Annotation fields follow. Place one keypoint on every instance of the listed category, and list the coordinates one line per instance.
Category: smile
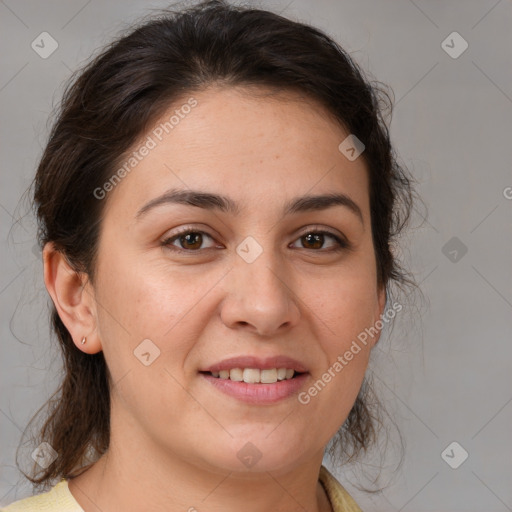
(255, 375)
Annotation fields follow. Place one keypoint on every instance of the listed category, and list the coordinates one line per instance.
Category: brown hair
(111, 102)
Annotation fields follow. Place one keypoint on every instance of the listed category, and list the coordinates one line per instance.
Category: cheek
(347, 316)
(145, 301)
(344, 314)
(148, 310)
(344, 310)
(344, 302)
(140, 298)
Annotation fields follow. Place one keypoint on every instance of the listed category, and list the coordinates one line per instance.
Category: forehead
(248, 143)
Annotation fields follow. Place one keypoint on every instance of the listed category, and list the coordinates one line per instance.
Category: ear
(379, 310)
(73, 297)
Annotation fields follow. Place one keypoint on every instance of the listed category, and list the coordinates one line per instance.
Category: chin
(259, 453)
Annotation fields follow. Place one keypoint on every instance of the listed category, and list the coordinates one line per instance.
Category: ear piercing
(84, 339)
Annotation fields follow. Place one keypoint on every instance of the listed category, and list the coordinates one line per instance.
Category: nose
(260, 297)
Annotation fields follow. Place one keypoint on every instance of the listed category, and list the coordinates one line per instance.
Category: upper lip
(257, 362)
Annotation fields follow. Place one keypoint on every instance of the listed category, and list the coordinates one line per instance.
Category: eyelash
(342, 244)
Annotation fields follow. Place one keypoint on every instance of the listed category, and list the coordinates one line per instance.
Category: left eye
(317, 238)
(191, 241)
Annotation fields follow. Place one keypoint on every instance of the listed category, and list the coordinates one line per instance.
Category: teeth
(236, 374)
(251, 375)
(255, 375)
(268, 376)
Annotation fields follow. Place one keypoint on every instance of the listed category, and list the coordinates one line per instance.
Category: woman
(217, 203)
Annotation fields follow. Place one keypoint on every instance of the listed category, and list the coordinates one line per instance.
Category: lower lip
(261, 394)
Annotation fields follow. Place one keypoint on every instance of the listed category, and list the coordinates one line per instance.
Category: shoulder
(340, 499)
(57, 499)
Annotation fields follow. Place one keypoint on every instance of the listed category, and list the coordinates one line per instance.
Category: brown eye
(315, 240)
(189, 240)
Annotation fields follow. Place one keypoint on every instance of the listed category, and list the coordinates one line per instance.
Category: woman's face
(246, 282)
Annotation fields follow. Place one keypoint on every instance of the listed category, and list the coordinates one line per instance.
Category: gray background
(444, 373)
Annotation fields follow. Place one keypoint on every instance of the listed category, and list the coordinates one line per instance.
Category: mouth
(257, 380)
(255, 375)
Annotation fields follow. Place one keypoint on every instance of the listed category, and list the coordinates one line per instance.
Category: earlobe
(73, 297)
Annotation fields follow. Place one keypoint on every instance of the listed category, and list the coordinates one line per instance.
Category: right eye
(190, 240)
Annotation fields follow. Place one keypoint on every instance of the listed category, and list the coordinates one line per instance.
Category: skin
(174, 437)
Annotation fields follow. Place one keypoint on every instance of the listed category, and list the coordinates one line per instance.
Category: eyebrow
(210, 201)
